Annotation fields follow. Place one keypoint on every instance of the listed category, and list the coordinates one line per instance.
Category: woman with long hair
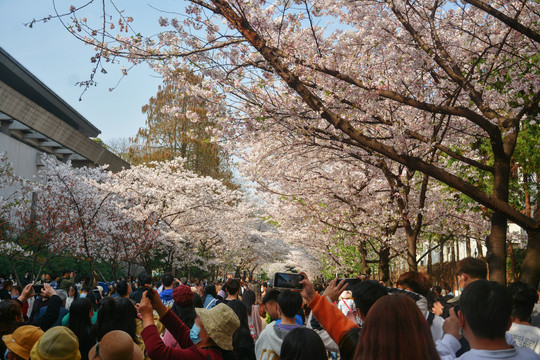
(10, 319)
(254, 319)
(395, 329)
(81, 311)
(243, 343)
(116, 314)
(210, 297)
(73, 294)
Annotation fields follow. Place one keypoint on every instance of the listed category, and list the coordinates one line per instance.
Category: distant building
(34, 120)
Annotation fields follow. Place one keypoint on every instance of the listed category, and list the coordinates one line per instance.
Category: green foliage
(263, 275)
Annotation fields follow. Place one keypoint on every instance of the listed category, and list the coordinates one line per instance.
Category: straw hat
(58, 343)
(220, 322)
(116, 345)
(22, 340)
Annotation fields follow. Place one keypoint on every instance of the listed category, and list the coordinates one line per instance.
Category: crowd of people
(167, 318)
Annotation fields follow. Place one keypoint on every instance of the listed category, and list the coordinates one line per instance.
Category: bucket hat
(220, 322)
(22, 340)
(58, 343)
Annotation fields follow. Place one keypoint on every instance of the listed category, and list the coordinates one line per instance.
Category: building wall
(24, 158)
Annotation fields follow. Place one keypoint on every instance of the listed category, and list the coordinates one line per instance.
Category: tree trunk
(411, 251)
(441, 252)
(513, 267)
(384, 265)
(364, 267)
(496, 245)
(468, 247)
(429, 261)
(480, 249)
(530, 269)
(453, 253)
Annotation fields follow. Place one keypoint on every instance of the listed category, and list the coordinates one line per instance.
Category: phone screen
(288, 281)
(37, 289)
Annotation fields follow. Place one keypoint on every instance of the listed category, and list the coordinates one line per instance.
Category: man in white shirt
(484, 317)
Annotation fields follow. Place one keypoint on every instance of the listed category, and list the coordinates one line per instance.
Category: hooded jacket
(167, 297)
(268, 346)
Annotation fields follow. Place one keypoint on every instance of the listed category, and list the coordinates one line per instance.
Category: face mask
(6, 354)
(83, 295)
(194, 334)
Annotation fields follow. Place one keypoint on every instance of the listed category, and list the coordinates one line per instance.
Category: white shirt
(526, 336)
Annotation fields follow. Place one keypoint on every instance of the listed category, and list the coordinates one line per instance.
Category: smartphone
(288, 281)
(37, 289)
(350, 282)
(150, 292)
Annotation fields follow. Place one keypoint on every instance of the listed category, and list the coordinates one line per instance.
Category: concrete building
(34, 120)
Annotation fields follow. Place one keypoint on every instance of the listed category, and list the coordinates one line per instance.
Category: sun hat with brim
(220, 322)
(116, 345)
(58, 343)
(22, 340)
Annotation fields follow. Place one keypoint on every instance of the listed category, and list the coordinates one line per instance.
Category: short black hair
(271, 295)
(487, 305)
(122, 288)
(473, 267)
(302, 343)
(366, 293)
(167, 280)
(524, 296)
(290, 303)
(437, 289)
(145, 280)
(232, 286)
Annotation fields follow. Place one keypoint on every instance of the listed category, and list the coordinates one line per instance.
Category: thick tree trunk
(530, 269)
(429, 262)
(411, 251)
(468, 247)
(441, 252)
(496, 245)
(384, 265)
(364, 267)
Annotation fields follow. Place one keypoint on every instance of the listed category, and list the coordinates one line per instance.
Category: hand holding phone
(288, 281)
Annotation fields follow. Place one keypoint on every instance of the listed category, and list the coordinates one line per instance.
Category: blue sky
(59, 60)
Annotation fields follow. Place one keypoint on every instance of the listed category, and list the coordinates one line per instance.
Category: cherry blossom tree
(397, 78)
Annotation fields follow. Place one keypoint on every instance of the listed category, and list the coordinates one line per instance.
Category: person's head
(415, 282)
(183, 305)
(116, 345)
(216, 326)
(20, 342)
(486, 307)
(73, 292)
(123, 288)
(437, 290)
(348, 343)
(524, 297)
(167, 280)
(303, 344)
(66, 273)
(145, 280)
(290, 303)
(232, 286)
(366, 293)
(80, 314)
(241, 311)
(10, 313)
(270, 303)
(395, 325)
(7, 285)
(116, 314)
(249, 300)
(210, 289)
(58, 342)
(470, 269)
(16, 291)
(62, 294)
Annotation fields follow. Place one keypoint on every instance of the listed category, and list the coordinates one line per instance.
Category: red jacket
(157, 350)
